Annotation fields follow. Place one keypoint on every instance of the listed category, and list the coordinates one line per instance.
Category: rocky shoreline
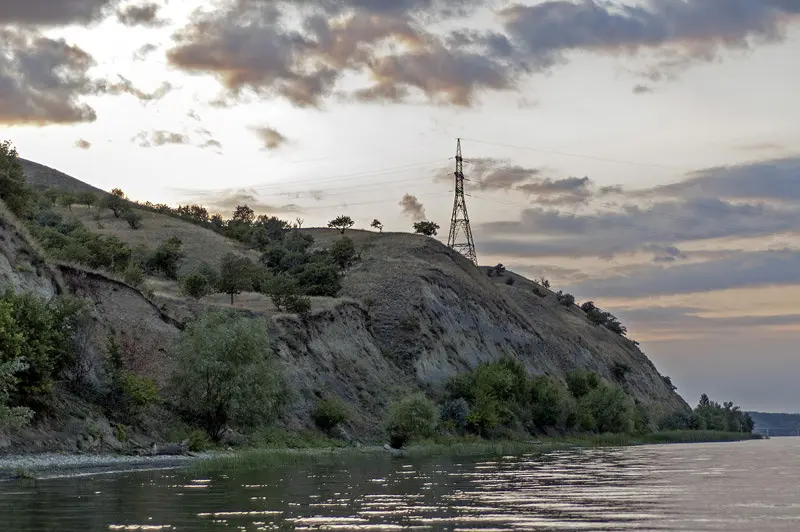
(53, 465)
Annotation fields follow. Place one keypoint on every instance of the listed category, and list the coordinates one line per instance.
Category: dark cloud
(83, 144)
(53, 12)
(155, 138)
(247, 46)
(271, 138)
(775, 180)
(745, 269)
(42, 80)
(494, 174)
(642, 89)
(412, 208)
(145, 14)
(687, 30)
(632, 228)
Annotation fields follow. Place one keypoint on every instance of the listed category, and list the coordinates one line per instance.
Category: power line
(582, 156)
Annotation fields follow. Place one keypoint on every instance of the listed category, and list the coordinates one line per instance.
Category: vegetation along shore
(150, 332)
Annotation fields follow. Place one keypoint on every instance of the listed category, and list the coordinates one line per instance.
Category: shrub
(619, 370)
(329, 413)
(455, 412)
(565, 299)
(610, 409)
(11, 417)
(551, 404)
(13, 190)
(297, 305)
(580, 382)
(343, 252)
(426, 228)
(133, 274)
(225, 373)
(509, 281)
(201, 282)
(410, 418)
(133, 217)
(320, 279)
(166, 257)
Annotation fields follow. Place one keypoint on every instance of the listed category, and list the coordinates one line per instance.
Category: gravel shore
(43, 466)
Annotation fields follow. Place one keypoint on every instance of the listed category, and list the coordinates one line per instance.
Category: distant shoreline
(52, 465)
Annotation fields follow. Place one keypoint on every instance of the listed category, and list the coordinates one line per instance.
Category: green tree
(320, 279)
(11, 416)
(610, 408)
(166, 257)
(551, 403)
(376, 224)
(235, 275)
(67, 199)
(343, 252)
(426, 228)
(329, 413)
(118, 193)
(13, 190)
(134, 218)
(226, 374)
(243, 215)
(412, 417)
(115, 203)
(201, 282)
(341, 223)
(87, 198)
(52, 195)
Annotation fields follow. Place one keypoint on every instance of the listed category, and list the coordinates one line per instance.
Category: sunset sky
(642, 154)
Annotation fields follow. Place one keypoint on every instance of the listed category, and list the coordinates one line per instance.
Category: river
(692, 487)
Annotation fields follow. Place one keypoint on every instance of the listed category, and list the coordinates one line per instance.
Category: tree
(11, 417)
(235, 275)
(200, 282)
(243, 215)
(13, 190)
(341, 223)
(225, 373)
(87, 198)
(376, 224)
(412, 417)
(117, 192)
(52, 194)
(114, 203)
(343, 252)
(426, 228)
(133, 217)
(166, 257)
(67, 199)
(329, 413)
(299, 221)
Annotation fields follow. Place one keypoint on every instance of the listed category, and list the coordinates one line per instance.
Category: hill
(411, 314)
(39, 175)
(776, 424)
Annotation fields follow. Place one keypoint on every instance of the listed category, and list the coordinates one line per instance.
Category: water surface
(696, 487)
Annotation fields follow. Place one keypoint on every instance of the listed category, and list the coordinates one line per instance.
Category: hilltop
(410, 315)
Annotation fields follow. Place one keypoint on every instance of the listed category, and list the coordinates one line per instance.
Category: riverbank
(46, 466)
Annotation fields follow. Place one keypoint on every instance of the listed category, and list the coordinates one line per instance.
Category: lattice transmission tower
(459, 222)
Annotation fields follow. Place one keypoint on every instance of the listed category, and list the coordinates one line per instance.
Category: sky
(640, 154)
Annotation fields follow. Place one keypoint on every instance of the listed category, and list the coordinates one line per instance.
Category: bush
(455, 412)
(580, 382)
(565, 299)
(412, 417)
(329, 413)
(297, 305)
(133, 217)
(200, 282)
(320, 279)
(13, 190)
(225, 373)
(609, 408)
(509, 281)
(11, 417)
(619, 370)
(133, 274)
(551, 404)
(166, 257)
(343, 252)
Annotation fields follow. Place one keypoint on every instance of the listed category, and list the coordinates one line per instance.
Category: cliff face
(412, 314)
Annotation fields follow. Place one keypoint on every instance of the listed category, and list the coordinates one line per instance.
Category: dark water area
(749, 486)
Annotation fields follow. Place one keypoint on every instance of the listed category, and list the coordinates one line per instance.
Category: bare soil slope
(39, 175)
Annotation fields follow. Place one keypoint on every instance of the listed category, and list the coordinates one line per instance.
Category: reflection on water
(711, 487)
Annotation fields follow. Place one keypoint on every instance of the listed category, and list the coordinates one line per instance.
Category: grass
(313, 450)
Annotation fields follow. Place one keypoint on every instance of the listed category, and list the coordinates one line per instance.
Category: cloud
(775, 180)
(155, 138)
(145, 14)
(682, 31)
(228, 200)
(642, 89)
(492, 174)
(53, 12)
(125, 86)
(412, 208)
(632, 228)
(248, 45)
(272, 138)
(571, 190)
(143, 51)
(745, 269)
(83, 144)
(42, 80)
